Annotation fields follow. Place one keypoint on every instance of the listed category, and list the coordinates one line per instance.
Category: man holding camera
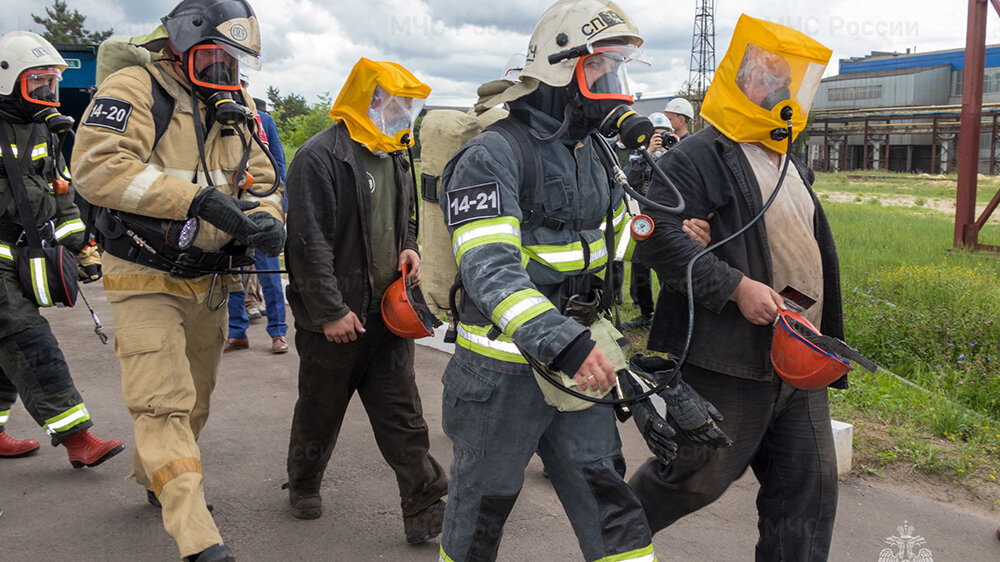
(680, 113)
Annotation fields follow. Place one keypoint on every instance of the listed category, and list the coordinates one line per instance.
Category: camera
(668, 139)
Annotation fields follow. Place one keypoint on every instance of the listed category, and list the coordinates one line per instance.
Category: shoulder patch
(110, 113)
(474, 202)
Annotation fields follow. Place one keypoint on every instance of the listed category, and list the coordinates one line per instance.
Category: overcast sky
(454, 45)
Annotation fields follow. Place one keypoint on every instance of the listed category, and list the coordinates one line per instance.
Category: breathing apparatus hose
(547, 373)
(607, 158)
(270, 158)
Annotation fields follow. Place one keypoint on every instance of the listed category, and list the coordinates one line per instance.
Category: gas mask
(393, 115)
(379, 104)
(214, 73)
(602, 90)
(768, 77)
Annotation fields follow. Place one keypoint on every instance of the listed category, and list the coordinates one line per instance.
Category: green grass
(868, 183)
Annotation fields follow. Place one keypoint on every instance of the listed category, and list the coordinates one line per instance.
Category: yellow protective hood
(767, 67)
(355, 98)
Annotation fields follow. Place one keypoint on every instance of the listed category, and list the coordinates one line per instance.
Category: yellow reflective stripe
(568, 257)
(474, 339)
(68, 227)
(40, 151)
(38, 281)
(5, 252)
(618, 219)
(444, 557)
(503, 230)
(626, 244)
(4, 416)
(67, 420)
(640, 555)
(518, 308)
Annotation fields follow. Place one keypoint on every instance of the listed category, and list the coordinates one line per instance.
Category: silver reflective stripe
(572, 255)
(482, 231)
(4, 416)
(38, 279)
(138, 187)
(623, 241)
(76, 416)
(506, 347)
(69, 227)
(518, 309)
(5, 252)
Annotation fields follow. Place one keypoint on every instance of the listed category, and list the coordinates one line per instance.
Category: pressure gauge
(642, 227)
(188, 233)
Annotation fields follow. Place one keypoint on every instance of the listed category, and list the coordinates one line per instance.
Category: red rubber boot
(12, 448)
(86, 450)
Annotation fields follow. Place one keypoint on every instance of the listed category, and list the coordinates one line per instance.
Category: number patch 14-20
(110, 113)
(475, 202)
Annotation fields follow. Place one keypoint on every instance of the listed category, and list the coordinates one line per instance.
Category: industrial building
(900, 112)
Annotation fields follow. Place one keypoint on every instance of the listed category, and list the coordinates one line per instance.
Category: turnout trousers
(169, 347)
(783, 434)
(379, 367)
(32, 365)
(497, 419)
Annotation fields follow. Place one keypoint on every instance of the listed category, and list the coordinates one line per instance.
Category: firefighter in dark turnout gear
(31, 363)
(518, 268)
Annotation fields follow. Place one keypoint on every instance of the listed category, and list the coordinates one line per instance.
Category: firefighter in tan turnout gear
(163, 148)
(31, 363)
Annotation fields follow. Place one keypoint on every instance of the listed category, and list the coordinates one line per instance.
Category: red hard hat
(405, 311)
(799, 362)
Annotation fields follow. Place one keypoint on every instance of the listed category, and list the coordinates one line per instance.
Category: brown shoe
(278, 344)
(424, 525)
(232, 344)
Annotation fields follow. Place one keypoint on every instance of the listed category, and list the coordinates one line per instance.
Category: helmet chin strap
(567, 118)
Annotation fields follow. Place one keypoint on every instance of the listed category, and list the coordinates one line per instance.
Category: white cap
(680, 106)
(512, 69)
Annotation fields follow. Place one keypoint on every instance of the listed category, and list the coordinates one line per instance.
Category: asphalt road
(53, 512)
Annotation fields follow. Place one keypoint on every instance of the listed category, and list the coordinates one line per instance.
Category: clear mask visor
(41, 86)
(602, 74)
(213, 67)
(767, 78)
(394, 116)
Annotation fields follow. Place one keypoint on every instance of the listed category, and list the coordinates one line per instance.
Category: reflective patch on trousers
(46, 361)
(622, 520)
(493, 513)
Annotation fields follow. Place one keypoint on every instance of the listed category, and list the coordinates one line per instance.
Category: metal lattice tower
(702, 50)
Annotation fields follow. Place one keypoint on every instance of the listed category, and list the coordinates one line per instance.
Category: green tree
(286, 108)
(65, 27)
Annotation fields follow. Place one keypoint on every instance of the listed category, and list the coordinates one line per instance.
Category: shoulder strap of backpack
(530, 178)
(163, 108)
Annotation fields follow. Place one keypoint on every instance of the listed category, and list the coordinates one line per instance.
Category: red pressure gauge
(642, 227)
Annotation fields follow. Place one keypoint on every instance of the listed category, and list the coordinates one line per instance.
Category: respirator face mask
(214, 72)
(394, 116)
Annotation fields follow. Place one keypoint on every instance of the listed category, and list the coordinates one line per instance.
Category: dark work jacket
(329, 249)
(714, 176)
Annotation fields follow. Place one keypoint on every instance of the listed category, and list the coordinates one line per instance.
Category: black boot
(640, 322)
(424, 525)
(215, 553)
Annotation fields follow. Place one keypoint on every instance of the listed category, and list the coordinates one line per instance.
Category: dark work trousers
(32, 365)
(379, 367)
(641, 288)
(780, 432)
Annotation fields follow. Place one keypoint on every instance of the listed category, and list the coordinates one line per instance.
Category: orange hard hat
(799, 362)
(405, 311)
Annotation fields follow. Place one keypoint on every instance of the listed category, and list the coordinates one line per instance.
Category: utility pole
(702, 50)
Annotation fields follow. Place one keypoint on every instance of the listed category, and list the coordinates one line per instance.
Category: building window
(855, 93)
(957, 90)
(991, 81)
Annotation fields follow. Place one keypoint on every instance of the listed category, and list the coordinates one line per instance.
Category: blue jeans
(274, 300)
(496, 417)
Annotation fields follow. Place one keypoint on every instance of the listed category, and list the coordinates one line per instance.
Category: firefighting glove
(271, 238)
(654, 429)
(88, 263)
(691, 413)
(225, 213)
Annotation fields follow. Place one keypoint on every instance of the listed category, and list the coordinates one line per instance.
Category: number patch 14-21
(110, 113)
(470, 203)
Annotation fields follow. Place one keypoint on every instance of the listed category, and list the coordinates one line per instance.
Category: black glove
(691, 413)
(225, 213)
(654, 429)
(271, 238)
